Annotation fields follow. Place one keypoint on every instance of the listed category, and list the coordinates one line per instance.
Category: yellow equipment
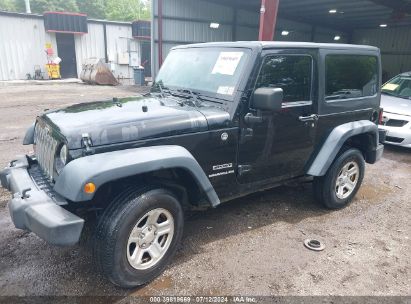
(53, 70)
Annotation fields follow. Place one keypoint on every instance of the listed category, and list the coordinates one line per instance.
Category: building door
(146, 57)
(67, 53)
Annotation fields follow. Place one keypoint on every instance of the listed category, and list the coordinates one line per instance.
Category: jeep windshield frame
(214, 72)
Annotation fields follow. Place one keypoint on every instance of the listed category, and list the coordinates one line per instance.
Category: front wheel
(138, 235)
(343, 179)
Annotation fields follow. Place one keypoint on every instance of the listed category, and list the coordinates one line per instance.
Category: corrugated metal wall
(188, 21)
(395, 45)
(23, 40)
(22, 45)
(118, 39)
(89, 45)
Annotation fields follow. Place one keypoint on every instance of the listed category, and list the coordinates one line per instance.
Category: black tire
(114, 228)
(324, 187)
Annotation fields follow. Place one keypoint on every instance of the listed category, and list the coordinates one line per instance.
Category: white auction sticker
(227, 63)
(225, 90)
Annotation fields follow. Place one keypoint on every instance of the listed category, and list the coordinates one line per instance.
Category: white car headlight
(61, 158)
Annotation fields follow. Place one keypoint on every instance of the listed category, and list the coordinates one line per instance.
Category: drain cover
(314, 245)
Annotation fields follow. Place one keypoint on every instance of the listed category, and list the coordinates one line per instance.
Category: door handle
(312, 117)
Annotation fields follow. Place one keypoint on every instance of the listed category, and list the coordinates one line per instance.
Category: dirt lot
(251, 246)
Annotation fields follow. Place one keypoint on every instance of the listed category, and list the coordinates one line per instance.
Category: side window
(292, 73)
(350, 76)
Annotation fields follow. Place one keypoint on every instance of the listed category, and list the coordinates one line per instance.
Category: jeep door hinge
(87, 144)
(246, 134)
(242, 169)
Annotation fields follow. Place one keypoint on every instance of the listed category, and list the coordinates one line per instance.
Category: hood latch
(87, 143)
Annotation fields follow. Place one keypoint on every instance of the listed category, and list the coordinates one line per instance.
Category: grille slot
(396, 123)
(45, 149)
(393, 139)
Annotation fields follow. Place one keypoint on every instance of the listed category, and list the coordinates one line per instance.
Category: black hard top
(282, 44)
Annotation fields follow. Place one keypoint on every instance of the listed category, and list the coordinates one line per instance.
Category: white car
(396, 102)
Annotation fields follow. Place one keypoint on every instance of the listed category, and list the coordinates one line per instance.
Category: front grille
(45, 149)
(396, 123)
(44, 184)
(393, 139)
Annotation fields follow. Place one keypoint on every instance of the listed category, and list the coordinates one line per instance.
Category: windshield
(399, 86)
(212, 71)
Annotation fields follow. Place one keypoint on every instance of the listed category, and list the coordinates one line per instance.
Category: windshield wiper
(211, 99)
(193, 95)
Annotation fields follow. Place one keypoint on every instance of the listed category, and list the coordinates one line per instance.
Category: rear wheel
(138, 235)
(343, 179)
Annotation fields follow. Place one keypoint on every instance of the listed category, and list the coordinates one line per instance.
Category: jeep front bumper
(37, 209)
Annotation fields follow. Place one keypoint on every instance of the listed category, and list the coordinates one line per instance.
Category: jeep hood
(396, 105)
(131, 119)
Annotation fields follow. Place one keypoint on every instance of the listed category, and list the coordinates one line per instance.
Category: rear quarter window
(350, 76)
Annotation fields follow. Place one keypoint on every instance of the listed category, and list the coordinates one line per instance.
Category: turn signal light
(89, 188)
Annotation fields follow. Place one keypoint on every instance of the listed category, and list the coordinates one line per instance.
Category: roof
(349, 15)
(283, 44)
(37, 16)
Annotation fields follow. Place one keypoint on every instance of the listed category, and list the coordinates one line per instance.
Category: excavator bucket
(95, 71)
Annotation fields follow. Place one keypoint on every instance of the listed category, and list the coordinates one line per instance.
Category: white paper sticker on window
(227, 63)
(225, 90)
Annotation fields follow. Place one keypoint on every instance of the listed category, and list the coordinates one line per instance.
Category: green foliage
(41, 6)
(121, 10)
(8, 5)
(94, 9)
(127, 10)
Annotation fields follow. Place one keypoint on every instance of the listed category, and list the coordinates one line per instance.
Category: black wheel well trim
(105, 167)
(338, 137)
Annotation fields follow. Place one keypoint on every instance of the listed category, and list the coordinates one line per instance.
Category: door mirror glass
(269, 99)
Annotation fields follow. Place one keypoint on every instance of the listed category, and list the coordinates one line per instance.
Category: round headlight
(61, 158)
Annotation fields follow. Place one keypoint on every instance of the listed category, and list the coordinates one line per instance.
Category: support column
(160, 32)
(268, 19)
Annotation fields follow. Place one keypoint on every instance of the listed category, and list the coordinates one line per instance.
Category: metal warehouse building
(72, 37)
(382, 23)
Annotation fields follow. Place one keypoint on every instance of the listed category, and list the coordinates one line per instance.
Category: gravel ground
(251, 246)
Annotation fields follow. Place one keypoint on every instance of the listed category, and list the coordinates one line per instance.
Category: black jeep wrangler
(222, 120)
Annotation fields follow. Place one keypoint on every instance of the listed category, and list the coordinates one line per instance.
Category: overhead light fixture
(285, 33)
(214, 25)
(336, 38)
(332, 11)
(383, 25)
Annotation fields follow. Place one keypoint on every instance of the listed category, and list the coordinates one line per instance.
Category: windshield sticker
(225, 90)
(390, 87)
(227, 63)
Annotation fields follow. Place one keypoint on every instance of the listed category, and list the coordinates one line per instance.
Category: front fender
(105, 167)
(336, 139)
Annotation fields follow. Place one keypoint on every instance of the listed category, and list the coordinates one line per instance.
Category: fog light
(89, 188)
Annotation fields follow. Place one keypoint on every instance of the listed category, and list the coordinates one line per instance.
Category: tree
(8, 5)
(94, 9)
(41, 6)
(122, 10)
(127, 10)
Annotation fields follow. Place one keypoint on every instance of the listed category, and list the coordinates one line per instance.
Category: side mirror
(269, 99)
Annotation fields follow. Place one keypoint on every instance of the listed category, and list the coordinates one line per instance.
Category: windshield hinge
(87, 143)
